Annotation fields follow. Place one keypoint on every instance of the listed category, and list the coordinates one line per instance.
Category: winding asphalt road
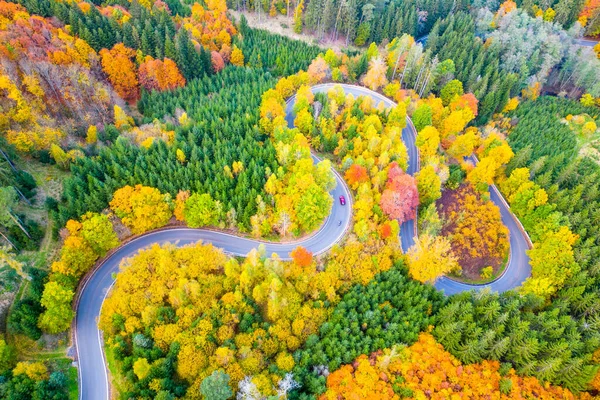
(93, 377)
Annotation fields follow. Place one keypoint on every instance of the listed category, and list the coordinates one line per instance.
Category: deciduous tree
(202, 210)
(400, 198)
(141, 208)
(376, 74)
(429, 185)
(118, 65)
(57, 302)
(431, 257)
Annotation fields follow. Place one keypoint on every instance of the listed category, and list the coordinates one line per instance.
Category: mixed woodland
(118, 118)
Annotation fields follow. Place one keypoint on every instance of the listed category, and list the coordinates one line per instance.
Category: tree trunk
(337, 18)
(396, 66)
(8, 240)
(19, 223)
(12, 166)
(425, 84)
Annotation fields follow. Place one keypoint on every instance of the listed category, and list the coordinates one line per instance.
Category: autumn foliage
(426, 370)
(478, 236)
(85, 241)
(48, 81)
(160, 75)
(552, 256)
(118, 64)
(355, 175)
(141, 208)
(431, 257)
(245, 318)
(301, 256)
(210, 26)
(300, 188)
(400, 198)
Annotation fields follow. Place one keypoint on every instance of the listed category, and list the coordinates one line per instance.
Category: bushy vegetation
(23, 319)
(37, 380)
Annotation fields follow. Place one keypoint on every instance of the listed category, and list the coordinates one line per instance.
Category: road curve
(93, 377)
(408, 229)
(517, 269)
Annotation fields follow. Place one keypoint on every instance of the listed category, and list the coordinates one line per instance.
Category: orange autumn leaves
(118, 63)
(160, 75)
(426, 370)
(478, 236)
(400, 198)
(361, 380)
(210, 26)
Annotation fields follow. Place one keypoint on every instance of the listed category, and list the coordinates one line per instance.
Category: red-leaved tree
(217, 61)
(400, 198)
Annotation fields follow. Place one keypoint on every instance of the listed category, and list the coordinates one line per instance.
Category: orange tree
(426, 370)
(478, 237)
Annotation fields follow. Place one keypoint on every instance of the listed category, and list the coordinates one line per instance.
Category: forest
(119, 119)
(357, 22)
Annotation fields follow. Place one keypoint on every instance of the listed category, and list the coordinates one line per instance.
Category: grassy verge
(73, 385)
(117, 381)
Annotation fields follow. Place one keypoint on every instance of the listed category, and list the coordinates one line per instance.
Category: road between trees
(93, 375)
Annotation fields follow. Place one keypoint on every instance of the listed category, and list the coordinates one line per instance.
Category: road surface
(586, 42)
(93, 377)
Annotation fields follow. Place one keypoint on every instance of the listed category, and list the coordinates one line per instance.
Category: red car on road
(342, 200)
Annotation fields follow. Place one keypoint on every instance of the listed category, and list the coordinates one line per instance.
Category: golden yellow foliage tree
(376, 74)
(431, 257)
(141, 208)
(237, 57)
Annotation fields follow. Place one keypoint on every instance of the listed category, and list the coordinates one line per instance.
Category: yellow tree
(428, 141)
(237, 57)
(429, 185)
(57, 302)
(431, 257)
(552, 262)
(92, 135)
(298, 17)
(376, 74)
(457, 121)
(141, 208)
(483, 174)
(464, 144)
